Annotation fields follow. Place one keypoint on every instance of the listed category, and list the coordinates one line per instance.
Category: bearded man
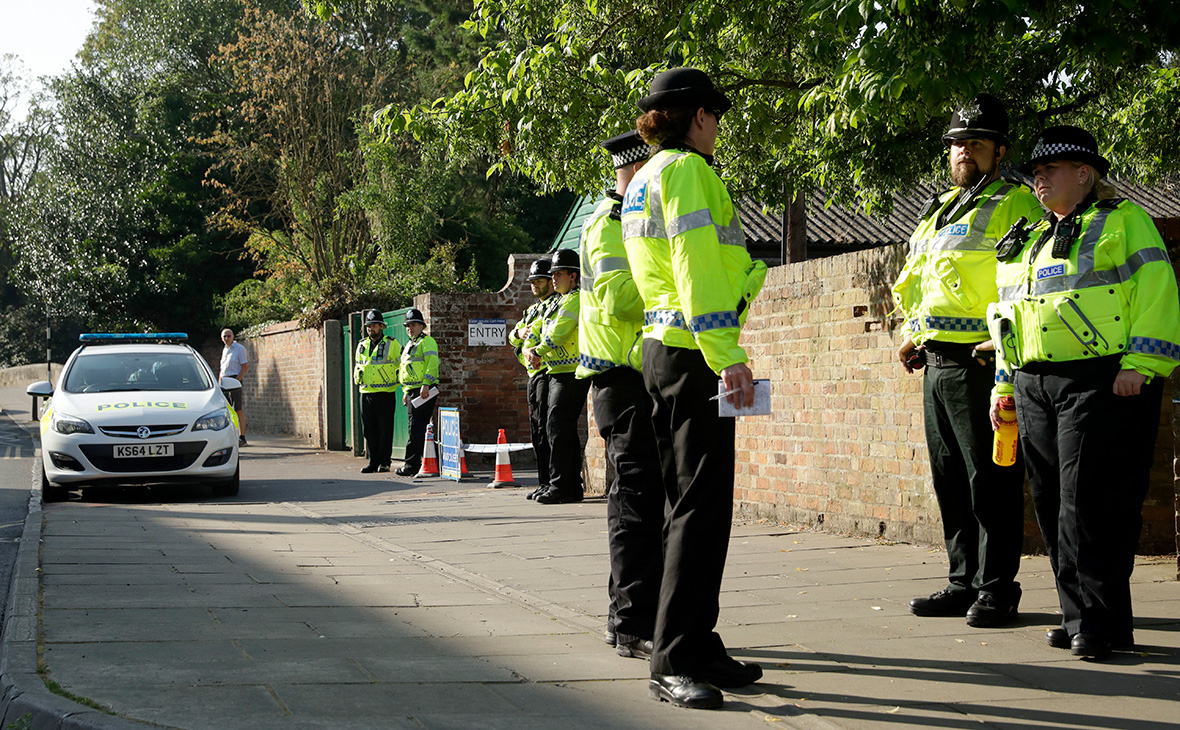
(942, 293)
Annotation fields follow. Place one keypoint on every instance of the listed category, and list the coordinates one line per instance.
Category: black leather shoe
(639, 648)
(533, 495)
(556, 496)
(1089, 646)
(943, 603)
(609, 635)
(994, 609)
(729, 673)
(685, 692)
(404, 471)
(383, 468)
(1057, 638)
(368, 469)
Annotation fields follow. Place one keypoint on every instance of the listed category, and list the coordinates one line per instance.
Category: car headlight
(215, 421)
(63, 423)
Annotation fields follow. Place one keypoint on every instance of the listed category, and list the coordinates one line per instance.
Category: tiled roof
(831, 229)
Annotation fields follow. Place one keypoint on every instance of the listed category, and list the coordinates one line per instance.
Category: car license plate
(136, 451)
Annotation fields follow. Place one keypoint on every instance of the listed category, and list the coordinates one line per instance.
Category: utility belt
(956, 355)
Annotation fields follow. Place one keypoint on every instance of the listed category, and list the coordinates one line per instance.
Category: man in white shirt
(234, 365)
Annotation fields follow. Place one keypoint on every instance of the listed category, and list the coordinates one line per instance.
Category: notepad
(761, 406)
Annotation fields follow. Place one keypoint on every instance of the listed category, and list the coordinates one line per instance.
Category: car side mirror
(42, 389)
(228, 383)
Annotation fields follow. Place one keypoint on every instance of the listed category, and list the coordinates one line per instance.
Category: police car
(136, 409)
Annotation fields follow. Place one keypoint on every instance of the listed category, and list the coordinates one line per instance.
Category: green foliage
(848, 96)
(115, 230)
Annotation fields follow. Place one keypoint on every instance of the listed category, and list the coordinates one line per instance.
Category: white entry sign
(490, 332)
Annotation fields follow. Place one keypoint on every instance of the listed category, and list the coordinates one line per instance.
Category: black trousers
(696, 450)
(419, 418)
(1089, 456)
(982, 504)
(634, 503)
(567, 398)
(538, 415)
(377, 421)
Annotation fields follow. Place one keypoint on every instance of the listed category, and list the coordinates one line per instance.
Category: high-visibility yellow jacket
(533, 314)
(949, 276)
(1115, 294)
(376, 365)
(558, 346)
(610, 321)
(419, 363)
(688, 257)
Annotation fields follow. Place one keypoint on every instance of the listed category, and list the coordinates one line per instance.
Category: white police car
(136, 409)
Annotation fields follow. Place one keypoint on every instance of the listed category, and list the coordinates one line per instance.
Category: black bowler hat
(983, 117)
(627, 149)
(539, 270)
(689, 87)
(1065, 142)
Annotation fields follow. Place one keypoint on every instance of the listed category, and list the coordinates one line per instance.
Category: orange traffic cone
(503, 465)
(429, 456)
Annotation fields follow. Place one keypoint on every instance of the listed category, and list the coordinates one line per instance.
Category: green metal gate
(353, 333)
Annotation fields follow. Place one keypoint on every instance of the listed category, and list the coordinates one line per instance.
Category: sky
(45, 34)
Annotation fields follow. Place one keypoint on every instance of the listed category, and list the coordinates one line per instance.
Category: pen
(719, 396)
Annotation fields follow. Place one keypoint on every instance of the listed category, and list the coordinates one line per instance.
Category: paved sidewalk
(321, 598)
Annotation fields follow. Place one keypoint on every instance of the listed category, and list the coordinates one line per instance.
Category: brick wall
(845, 448)
(487, 384)
(284, 387)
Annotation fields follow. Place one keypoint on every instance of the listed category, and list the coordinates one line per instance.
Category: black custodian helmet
(415, 315)
(539, 270)
(983, 117)
(372, 316)
(565, 259)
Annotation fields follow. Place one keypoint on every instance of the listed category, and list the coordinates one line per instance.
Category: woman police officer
(1086, 329)
(687, 254)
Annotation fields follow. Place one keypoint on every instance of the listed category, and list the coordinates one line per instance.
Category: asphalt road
(16, 465)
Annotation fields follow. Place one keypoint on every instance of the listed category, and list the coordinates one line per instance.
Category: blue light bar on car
(132, 336)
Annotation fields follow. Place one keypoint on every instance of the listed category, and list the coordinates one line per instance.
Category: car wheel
(51, 493)
(230, 488)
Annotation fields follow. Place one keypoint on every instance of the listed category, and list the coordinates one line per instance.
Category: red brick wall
(487, 384)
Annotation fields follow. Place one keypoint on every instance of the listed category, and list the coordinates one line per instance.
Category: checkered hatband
(632, 155)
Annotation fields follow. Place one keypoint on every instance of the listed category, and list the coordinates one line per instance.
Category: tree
(848, 96)
(116, 229)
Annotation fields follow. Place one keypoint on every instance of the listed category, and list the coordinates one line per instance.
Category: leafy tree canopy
(851, 97)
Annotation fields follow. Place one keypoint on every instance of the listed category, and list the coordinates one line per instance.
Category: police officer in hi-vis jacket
(943, 291)
(1087, 328)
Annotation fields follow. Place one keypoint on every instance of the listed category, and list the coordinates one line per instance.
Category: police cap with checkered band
(1065, 142)
(627, 149)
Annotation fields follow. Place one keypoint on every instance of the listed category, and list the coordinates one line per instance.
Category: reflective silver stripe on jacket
(730, 235)
(587, 274)
(666, 317)
(971, 239)
(1088, 278)
(611, 263)
(1089, 241)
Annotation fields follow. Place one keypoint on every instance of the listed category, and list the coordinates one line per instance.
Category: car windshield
(105, 372)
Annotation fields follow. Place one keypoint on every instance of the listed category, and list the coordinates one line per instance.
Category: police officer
(610, 355)
(522, 336)
(687, 255)
(419, 373)
(943, 291)
(376, 372)
(1088, 324)
(557, 350)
